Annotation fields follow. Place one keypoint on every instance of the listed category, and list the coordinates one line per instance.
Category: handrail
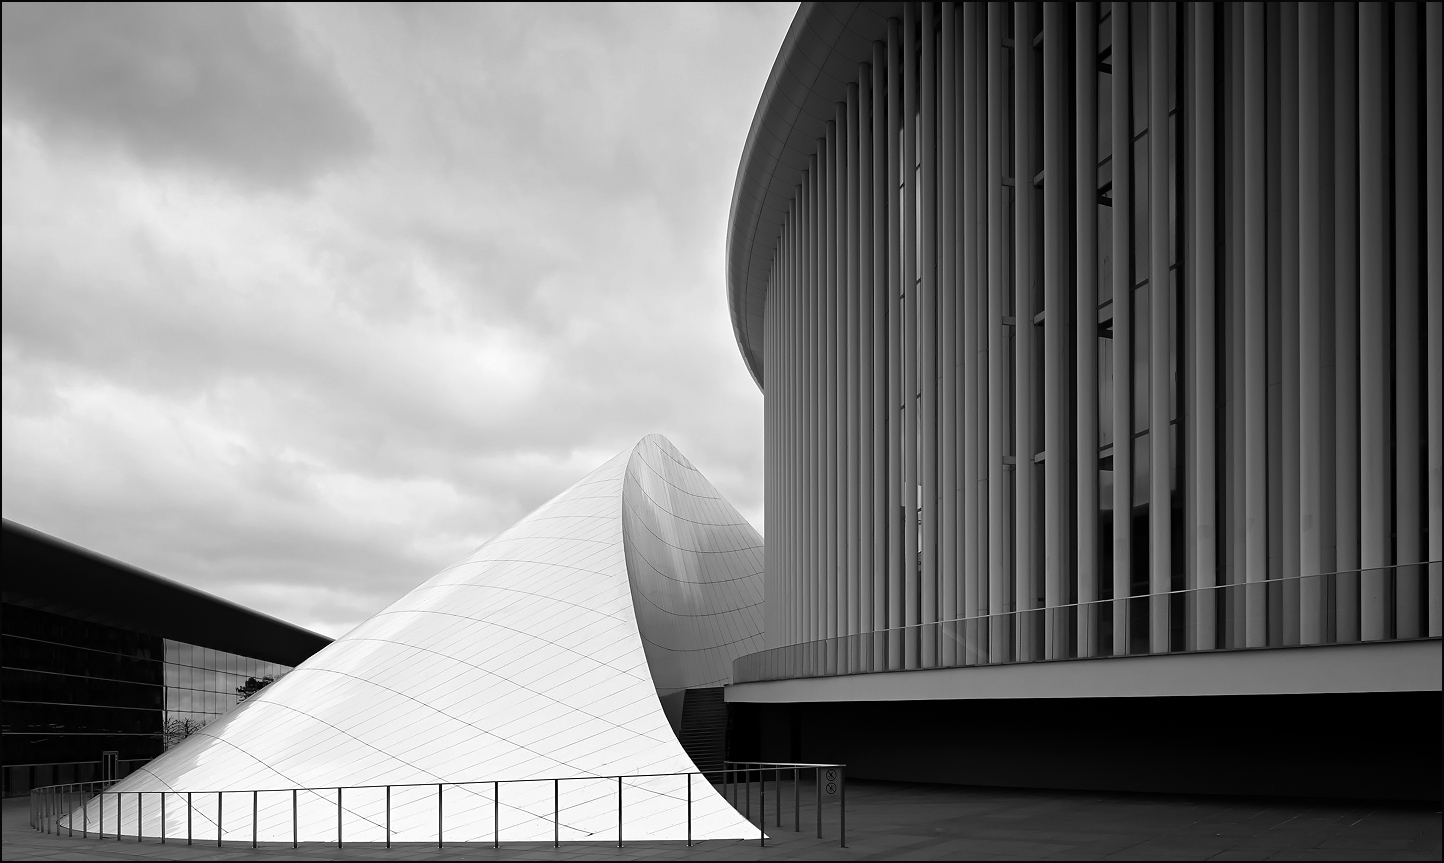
(66, 808)
(1386, 603)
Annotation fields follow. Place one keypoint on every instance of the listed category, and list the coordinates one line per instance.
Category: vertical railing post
(220, 810)
(496, 814)
(100, 832)
(439, 804)
(556, 813)
(689, 810)
(255, 816)
(85, 816)
(777, 787)
(162, 817)
(796, 801)
(295, 821)
(338, 817)
(817, 780)
(842, 805)
(388, 816)
(188, 818)
(619, 812)
(139, 815)
(761, 808)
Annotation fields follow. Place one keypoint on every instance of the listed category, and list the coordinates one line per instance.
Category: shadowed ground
(890, 820)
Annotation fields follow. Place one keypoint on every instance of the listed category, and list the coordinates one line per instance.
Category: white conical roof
(523, 662)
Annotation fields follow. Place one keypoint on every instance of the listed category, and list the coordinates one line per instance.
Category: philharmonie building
(1100, 348)
(1100, 351)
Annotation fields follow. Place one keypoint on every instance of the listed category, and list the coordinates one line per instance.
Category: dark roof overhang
(49, 574)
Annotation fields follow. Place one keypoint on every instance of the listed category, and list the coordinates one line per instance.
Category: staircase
(704, 727)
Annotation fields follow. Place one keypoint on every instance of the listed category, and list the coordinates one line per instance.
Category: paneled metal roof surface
(49, 574)
(541, 656)
(818, 58)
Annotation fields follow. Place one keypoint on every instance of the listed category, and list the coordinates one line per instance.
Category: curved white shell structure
(541, 656)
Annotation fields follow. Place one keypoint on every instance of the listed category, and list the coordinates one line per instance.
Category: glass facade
(201, 683)
(74, 689)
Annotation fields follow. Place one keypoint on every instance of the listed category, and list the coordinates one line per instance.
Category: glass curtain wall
(201, 683)
(74, 690)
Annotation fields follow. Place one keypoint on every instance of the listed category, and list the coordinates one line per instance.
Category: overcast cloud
(303, 303)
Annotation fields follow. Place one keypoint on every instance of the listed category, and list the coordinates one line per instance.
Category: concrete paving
(901, 821)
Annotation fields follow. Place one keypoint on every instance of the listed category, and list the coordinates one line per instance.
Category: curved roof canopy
(550, 653)
(818, 58)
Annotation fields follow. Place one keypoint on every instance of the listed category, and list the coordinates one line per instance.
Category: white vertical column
(794, 406)
(769, 458)
(1288, 350)
(775, 589)
(912, 595)
(1373, 362)
(836, 380)
(948, 571)
(1434, 146)
(865, 297)
(1346, 320)
(810, 455)
(1000, 595)
(1160, 253)
(827, 373)
(1255, 313)
(1085, 384)
(851, 357)
(1025, 585)
(896, 389)
(800, 395)
(1311, 465)
(818, 607)
(1057, 254)
(928, 333)
(882, 551)
(974, 563)
(1122, 171)
(1408, 360)
(1203, 483)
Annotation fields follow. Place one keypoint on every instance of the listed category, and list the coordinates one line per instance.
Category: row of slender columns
(910, 431)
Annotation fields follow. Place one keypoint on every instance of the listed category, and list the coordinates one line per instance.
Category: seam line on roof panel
(488, 671)
(545, 596)
(433, 708)
(509, 629)
(675, 517)
(700, 649)
(659, 571)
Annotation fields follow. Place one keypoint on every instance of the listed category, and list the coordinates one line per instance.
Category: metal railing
(1392, 603)
(829, 780)
(67, 809)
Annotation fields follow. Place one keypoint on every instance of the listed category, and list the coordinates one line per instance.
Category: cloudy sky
(303, 303)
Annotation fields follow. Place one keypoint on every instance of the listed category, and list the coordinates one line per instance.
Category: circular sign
(831, 788)
(831, 776)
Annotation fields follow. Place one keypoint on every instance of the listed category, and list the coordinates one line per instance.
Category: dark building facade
(104, 665)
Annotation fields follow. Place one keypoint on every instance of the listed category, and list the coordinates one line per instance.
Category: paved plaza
(903, 821)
